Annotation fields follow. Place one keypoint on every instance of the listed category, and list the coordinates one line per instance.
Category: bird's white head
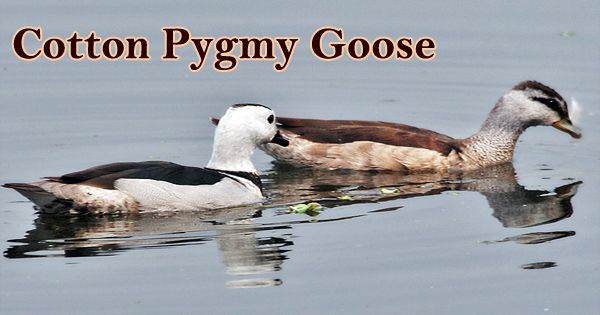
(239, 131)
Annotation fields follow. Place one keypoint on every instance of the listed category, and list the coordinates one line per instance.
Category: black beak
(279, 139)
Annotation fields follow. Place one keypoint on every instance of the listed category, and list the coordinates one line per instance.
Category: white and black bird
(229, 180)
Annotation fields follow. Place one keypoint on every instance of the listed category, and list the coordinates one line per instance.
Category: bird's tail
(46, 201)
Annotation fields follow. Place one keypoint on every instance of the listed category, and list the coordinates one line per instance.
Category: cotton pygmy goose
(375, 145)
(229, 179)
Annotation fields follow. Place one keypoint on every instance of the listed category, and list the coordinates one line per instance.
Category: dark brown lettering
(18, 48)
(170, 42)
(56, 52)
(425, 43)
(317, 48)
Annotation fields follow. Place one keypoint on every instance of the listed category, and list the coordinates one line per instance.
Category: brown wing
(345, 131)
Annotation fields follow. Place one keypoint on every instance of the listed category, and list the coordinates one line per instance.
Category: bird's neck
(232, 155)
(496, 140)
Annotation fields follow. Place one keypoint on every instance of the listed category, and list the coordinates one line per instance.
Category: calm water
(490, 242)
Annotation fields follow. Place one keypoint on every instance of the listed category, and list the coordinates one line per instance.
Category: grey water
(520, 238)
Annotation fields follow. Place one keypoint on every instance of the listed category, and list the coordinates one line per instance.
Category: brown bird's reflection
(512, 204)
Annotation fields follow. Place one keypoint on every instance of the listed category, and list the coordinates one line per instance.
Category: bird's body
(360, 145)
(229, 180)
(375, 145)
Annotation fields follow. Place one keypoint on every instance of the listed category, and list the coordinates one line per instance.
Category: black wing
(104, 176)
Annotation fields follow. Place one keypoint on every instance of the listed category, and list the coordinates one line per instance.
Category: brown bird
(376, 145)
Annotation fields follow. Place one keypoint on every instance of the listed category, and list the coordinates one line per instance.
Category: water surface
(521, 238)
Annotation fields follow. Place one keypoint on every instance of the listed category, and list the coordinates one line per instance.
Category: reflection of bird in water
(513, 204)
(244, 253)
(243, 250)
(520, 207)
(536, 237)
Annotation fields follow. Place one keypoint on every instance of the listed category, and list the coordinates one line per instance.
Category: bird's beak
(279, 139)
(566, 125)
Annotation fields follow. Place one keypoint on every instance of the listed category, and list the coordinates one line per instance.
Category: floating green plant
(310, 208)
(345, 197)
(389, 191)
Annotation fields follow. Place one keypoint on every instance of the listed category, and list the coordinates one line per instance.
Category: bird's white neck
(232, 154)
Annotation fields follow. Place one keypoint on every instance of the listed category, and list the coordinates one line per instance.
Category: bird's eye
(271, 119)
(551, 104)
